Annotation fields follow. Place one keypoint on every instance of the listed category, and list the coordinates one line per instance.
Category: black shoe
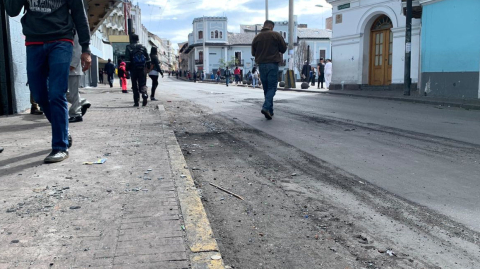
(145, 99)
(35, 111)
(75, 119)
(267, 114)
(56, 156)
(85, 107)
(153, 99)
(136, 104)
(1, 150)
(125, 91)
(70, 141)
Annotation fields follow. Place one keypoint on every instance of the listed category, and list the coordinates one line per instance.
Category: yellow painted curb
(205, 253)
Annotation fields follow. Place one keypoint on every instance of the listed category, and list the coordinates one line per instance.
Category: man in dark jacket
(268, 48)
(137, 60)
(306, 69)
(110, 70)
(321, 73)
(48, 27)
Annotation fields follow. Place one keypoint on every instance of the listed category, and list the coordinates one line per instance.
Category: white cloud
(172, 19)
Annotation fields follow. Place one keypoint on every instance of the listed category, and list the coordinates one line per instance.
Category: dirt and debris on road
(301, 212)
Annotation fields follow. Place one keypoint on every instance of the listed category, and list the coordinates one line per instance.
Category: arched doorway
(381, 48)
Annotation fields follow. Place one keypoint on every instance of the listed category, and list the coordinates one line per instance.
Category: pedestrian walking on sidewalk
(237, 73)
(194, 76)
(255, 76)
(267, 48)
(48, 34)
(79, 105)
(100, 75)
(155, 70)
(228, 74)
(137, 60)
(328, 73)
(122, 75)
(321, 73)
(219, 74)
(110, 70)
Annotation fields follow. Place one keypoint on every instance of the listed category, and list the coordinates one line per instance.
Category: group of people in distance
(135, 66)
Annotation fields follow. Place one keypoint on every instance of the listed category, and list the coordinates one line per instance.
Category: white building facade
(211, 47)
(368, 44)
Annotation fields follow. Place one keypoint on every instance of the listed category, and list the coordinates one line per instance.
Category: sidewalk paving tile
(71, 215)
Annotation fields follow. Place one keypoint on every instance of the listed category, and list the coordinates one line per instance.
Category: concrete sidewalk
(139, 209)
(395, 95)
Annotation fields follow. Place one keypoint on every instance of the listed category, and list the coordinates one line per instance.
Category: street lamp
(321, 6)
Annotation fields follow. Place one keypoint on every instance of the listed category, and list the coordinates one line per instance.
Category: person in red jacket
(122, 74)
(237, 73)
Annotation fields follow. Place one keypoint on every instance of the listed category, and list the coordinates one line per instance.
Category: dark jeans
(110, 80)
(321, 79)
(268, 75)
(154, 85)
(51, 62)
(100, 78)
(139, 83)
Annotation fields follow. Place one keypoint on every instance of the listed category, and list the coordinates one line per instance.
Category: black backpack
(138, 57)
(120, 73)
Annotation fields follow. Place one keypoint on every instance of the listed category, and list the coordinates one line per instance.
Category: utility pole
(408, 50)
(266, 10)
(290, 78)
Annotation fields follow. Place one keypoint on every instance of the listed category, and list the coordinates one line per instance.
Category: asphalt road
(425, 154)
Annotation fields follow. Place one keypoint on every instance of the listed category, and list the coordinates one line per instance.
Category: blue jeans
(254, 82)
(51, 62)
(227, 80)
(268, 75)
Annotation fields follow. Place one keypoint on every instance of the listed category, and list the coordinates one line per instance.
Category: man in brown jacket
(268, 48)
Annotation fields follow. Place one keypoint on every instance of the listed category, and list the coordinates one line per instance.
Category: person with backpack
(255, 76)
(122, 74)
(155, 70)
(227, 75)
(137, 60)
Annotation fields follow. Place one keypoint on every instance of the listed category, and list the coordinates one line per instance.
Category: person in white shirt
(328, 73)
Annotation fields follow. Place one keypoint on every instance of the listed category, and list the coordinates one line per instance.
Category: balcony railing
(200, 61)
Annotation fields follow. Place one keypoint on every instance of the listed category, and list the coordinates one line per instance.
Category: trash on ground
(227, 191)
(216, 257)
(99, 161)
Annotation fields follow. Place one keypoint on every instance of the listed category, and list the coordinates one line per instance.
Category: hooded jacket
(50, 20)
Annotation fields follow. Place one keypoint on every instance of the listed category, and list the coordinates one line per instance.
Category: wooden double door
(381, 49)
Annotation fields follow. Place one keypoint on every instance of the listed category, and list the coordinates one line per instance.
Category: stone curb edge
(204, 251)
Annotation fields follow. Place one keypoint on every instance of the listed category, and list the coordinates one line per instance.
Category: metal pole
(291, 24)
(266, 10)
(290, 75)
(408, 50)
(308, 55)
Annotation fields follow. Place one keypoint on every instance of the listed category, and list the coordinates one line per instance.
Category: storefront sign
(344, 6)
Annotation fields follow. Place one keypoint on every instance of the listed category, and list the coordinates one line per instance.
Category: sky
(172, 19)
